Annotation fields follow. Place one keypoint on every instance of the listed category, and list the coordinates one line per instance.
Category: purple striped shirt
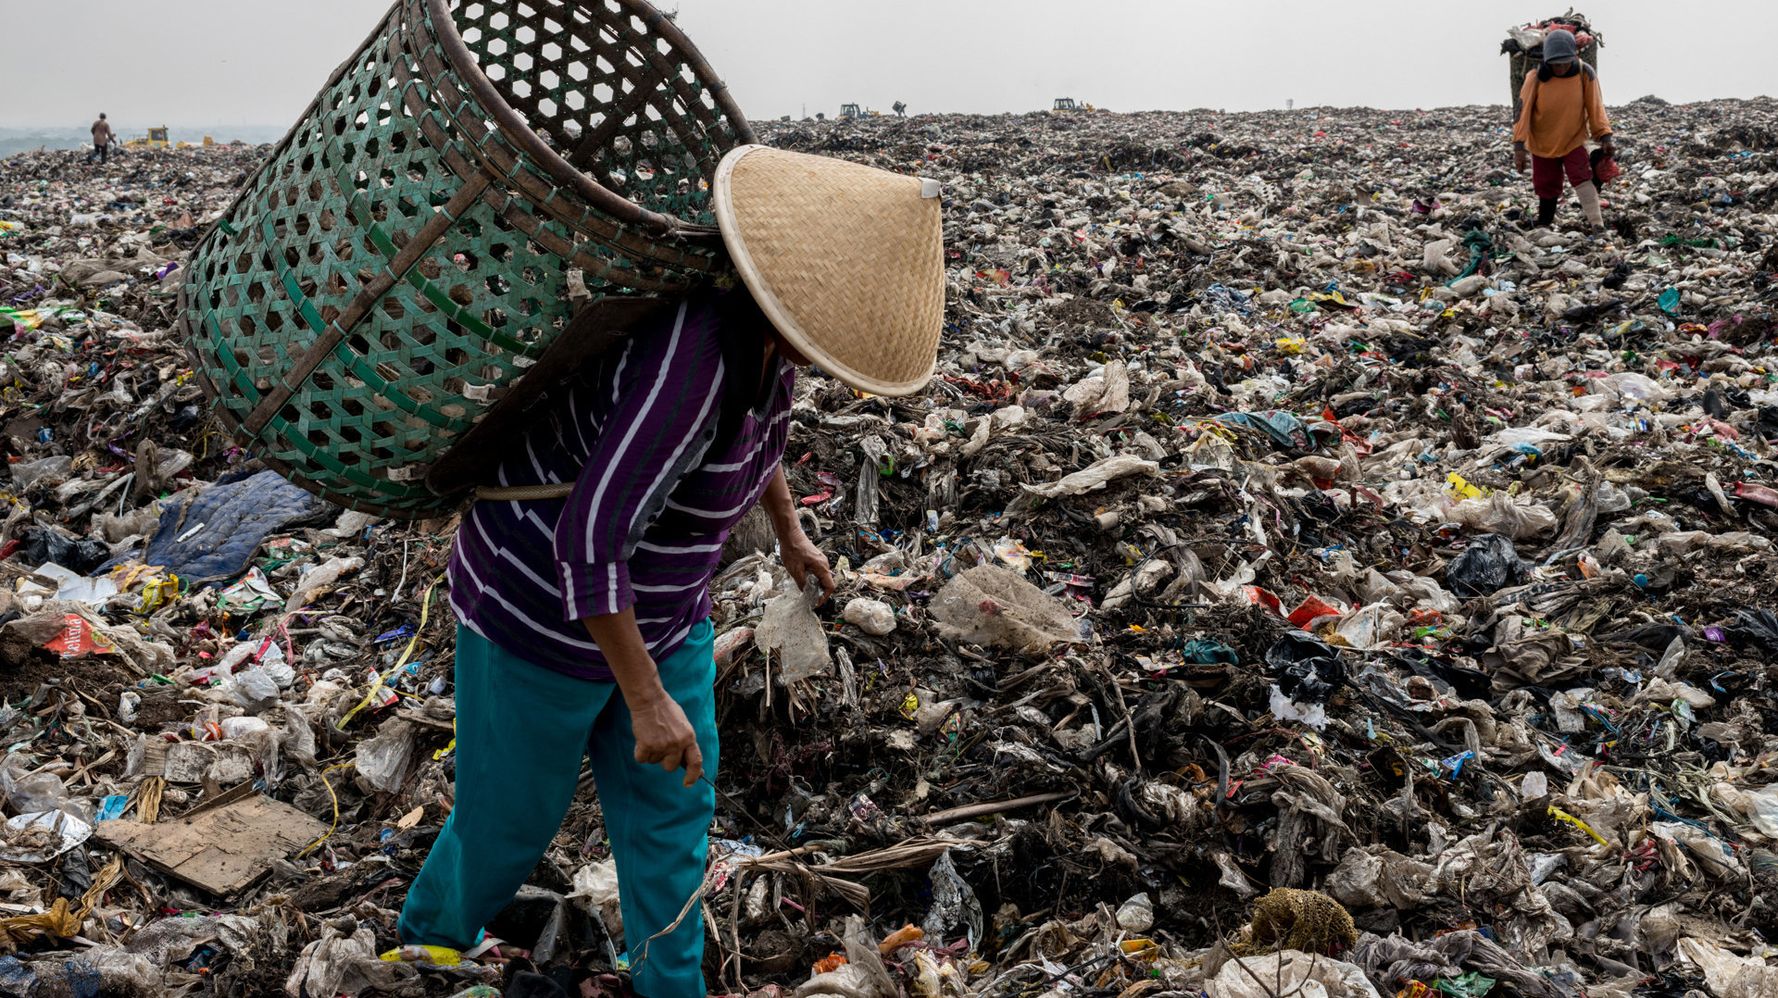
(654, 499)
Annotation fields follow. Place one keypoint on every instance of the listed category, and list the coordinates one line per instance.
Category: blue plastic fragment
(113, 806)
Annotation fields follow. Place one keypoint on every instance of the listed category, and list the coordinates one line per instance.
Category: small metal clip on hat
(931, 188)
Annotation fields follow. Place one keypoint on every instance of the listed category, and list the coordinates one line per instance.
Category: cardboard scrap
(223, 849)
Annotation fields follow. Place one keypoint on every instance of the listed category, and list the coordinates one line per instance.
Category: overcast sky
(256, 62)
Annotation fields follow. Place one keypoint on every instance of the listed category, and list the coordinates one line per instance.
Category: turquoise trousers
(522, 732)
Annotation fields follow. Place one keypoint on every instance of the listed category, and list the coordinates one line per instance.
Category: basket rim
(518, 130)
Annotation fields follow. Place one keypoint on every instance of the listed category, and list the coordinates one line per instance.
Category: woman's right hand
(664, 736)
(1521, 158)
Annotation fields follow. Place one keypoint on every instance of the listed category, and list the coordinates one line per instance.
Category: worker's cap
(846, 260)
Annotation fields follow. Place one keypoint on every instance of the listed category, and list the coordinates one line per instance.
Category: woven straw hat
(846, 260)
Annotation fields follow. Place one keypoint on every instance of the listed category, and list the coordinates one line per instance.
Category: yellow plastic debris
(433, 956)
(1561, 815)
(1461, 488)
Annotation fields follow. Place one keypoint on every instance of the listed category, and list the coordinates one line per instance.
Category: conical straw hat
(847, 261)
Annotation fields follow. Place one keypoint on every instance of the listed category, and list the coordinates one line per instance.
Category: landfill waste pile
(1300, 578)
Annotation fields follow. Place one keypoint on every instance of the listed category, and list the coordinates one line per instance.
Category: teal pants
(522, 732)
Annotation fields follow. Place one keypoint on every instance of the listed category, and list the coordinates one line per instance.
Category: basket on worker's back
(1525, 47)
(411, 250)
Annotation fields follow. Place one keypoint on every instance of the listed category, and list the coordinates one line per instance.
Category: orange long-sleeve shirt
(1560, 113)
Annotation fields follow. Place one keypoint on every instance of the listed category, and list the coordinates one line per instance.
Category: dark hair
(101, 116)
(742, 341)
(1545, 73)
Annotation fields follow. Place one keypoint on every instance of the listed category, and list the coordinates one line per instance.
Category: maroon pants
(1546, 173)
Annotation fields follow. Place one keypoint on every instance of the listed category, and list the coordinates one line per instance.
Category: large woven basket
(412, 248)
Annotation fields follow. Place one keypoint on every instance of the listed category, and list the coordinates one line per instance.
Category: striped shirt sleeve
(660, 419)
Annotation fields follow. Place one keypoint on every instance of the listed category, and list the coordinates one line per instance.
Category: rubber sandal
(443, 956)
(431, 956)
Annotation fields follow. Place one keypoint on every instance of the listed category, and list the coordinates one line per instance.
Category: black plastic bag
(1754, 627)
(1306, 670)
(1470, 684)
(38, 545)
(1488, 565)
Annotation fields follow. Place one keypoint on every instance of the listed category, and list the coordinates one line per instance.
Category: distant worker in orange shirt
(1562, 107)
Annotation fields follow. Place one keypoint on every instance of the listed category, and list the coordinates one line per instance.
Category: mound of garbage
(1301, 577)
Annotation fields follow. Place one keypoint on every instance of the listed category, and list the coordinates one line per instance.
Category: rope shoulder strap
(523, 493)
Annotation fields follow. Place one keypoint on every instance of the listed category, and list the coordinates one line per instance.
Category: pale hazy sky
(256, 62)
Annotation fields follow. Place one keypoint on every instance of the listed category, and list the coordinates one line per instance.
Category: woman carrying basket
(585, 629)
(1562, 106)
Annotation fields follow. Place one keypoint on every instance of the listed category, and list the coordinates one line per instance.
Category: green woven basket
(412, 248)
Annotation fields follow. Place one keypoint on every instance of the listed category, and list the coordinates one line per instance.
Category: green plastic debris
(1675, 240)
(1209, 651)
(1670, 301)
(1470, 985)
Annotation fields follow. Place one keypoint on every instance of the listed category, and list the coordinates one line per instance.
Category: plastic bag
(1287, 710)
(847, 981)
(254, 689)
(29, 794)
(1136, 914)
(383, 761)
(790, 628)
(1103, 393)
(1728, 974)
(1488, 565)
(989, 605)
(857, 973)
(38, 545)
(1500, 513)
(28, 473)
(1305, 674)
(1290, 972)
(320, 579)
(95, 973)
(1370, 627)
(595, 887)
(1095, 476)
(954, 904)
(1761, 807)
(344, 959)
(873, 617)
(1380, 877)
(1304, 669)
